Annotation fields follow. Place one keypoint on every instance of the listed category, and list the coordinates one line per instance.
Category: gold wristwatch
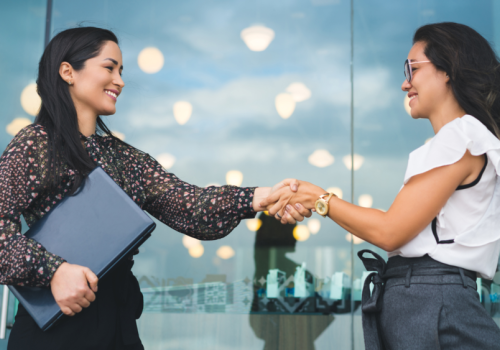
(322, 205)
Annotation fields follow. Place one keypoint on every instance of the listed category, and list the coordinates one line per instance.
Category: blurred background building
(249, 93)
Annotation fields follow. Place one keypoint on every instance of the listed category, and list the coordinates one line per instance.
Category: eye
(110, 68)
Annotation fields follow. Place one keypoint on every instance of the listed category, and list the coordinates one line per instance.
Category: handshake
(288, 201)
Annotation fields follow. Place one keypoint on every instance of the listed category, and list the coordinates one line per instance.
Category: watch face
(321, 207)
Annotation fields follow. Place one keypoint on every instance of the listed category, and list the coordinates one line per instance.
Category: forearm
(26, 262)
(371, 225)
(368, 224)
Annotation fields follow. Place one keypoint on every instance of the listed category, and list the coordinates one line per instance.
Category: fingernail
(288, 207)
(297, 205)
(294, 187)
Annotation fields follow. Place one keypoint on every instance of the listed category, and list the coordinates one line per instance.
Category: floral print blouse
(204, 213)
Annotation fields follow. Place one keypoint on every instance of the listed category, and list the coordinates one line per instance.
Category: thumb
(293, 183)
(92, 279)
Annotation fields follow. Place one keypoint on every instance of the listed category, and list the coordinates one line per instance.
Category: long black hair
(472, 66)
(58, 114)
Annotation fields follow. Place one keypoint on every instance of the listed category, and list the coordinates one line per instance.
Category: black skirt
(108, 323)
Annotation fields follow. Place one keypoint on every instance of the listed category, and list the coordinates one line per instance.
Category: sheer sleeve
(204, 213)
(23, 261)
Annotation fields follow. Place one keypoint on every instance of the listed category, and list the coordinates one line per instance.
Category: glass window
(22, 32)
(249, 93)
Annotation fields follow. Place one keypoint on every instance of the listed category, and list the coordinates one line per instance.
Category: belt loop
(408, 277)
(463, 276)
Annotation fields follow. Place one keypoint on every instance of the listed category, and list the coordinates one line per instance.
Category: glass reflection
(282, 288)
(257, 37)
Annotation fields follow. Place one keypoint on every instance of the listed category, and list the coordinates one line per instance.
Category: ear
(66, 72)
(446, 77)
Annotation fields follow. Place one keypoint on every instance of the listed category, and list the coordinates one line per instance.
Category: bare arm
(414, 208)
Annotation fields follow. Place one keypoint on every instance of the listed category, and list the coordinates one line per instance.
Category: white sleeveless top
(466, 233)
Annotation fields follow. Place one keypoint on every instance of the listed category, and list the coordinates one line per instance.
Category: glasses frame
(408, 70)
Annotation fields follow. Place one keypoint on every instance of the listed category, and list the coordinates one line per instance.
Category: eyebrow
(114, 61)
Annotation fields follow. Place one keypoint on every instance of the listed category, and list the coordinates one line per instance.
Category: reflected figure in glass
(284, 292)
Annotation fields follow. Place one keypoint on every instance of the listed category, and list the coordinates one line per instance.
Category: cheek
(430, 94)
(91, 91)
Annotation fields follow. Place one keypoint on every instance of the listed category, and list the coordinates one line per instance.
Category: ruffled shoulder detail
(450, 144)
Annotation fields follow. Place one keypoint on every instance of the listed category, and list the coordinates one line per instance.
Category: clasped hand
(291, 200)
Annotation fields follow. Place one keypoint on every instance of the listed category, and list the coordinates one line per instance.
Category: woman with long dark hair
(79, 79)
(443, 228)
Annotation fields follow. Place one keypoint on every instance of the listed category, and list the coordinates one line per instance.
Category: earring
(70, 83)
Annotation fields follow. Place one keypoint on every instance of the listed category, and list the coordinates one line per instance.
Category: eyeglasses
(408, 70)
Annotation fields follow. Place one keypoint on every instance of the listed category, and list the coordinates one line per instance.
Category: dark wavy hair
(472, 66)
(58, 113)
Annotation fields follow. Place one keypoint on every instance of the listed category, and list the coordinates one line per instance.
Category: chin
(416, 115)
(107, 112)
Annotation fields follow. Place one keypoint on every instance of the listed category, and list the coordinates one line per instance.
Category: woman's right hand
(70, 287)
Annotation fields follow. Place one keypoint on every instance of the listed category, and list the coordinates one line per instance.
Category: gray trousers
(435, 312)
(420, 303)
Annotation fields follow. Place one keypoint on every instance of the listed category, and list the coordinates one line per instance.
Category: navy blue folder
(97, 227)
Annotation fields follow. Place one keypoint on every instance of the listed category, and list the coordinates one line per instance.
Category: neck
(447, 113)
(86, 121)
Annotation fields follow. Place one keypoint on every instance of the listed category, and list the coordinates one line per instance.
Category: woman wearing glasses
(443, 228)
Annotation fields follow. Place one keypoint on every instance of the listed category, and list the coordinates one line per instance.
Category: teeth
(110, 93)
(411, 98)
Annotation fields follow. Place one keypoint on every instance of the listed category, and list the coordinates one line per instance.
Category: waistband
(401, 271)
(421, 262)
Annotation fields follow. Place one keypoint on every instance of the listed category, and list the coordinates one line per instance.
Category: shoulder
(31, 132)
(32, 137)
(463, 139)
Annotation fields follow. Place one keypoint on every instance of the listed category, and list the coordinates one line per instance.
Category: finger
(294, 185)
(273, 198)
(288, 219)
(282, 214)
(294, 213)
(66, 310)
(302, 210)
(84, 303)
(75, 308)
(91, 279)
(276, 208)
(89, 295)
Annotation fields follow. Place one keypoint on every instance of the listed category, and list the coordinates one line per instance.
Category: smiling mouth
(111, 94)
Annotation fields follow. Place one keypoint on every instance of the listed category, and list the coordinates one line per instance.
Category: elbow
(387, 241)
(387, 246)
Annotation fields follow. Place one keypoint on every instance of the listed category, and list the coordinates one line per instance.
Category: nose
(118, 81)
(406, 86)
